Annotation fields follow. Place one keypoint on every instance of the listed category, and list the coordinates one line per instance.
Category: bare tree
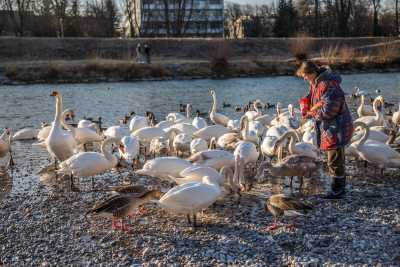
(343, 10)
(376, 4)
(317, 25)
(396, 10)
(18, 11)
(59, 8)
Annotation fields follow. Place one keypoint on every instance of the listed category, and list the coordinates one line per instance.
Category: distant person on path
(139, 53)
(326, 104)
(147, 53)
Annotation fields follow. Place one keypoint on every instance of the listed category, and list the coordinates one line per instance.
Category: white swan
(196, 173)
(216, 117)
(197, 145)
(5, 142)
(164, 167)
(60, 144)
(228, 141)
(181, 143)
(86, 164)
(363, 109)
(199, 122)
(183, 127)
(129, 148)
(116, 132)
(146, 134)
(377, 120)
(373, 135)
(268, 143)
(191, 198)
(299, 148)
(26, 134)
(138, 122)
(253, 114)
(245, 131)
(247, 151)
(309, 133)
(377, 153)
(214, 158)
(211, 131)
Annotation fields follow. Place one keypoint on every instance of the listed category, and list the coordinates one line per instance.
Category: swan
(146, 134)
(181, 143)
(196, 173)
(233, 125)
(377, 153)
(309, 133)
(287, 118)
(138, 122)
(214, 158)
(164, 167)
(299, 148)
(245, 152)
(228, 141)
(82, 135)
(199, 122)
(377, 120)
(396, 117)
(116, 132)
(216, 117)
(164, 124)
(5, 145)
(183, 127)
(129, 148)
(197, 145)
(211, 131)
(175, 117)
(268, 143)
(246, 133)
(190, 198)
(85, 164)
(44, 131)
(363, 109)
(26, 134)
(160, 146)
(373, 135)
(358, 92)
(252, 115)
(85, 124)
(60, 144)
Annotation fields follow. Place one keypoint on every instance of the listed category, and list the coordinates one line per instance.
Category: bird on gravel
(282, 205)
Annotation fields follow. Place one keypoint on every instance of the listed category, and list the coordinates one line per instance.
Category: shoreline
(97, 71)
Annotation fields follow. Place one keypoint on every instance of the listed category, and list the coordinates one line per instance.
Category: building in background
(174, 18)
(251, 26)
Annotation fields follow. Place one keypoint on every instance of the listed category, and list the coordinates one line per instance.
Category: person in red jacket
(326, 104)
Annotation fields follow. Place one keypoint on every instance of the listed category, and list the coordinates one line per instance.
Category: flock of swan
(206, 158)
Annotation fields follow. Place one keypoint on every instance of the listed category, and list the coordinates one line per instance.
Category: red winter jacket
(334, 124)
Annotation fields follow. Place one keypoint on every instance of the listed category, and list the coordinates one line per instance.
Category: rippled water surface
(27, 106)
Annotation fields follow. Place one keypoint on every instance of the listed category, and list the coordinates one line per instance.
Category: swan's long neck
(110, 157)
(214, 105)
(188, 111)
(244, 126)
(365, 136)
(58, 115)
(291, 135)
(65, 124)
(375, 108)
(259, 111)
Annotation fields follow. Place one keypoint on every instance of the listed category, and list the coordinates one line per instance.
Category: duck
(25, 134)
(377, 120)
(197, 145)
(163, 167)
(211, 131)
(283, 205)
(376, 153)
(123, 205)
(60, 144)
(216, 117)
(298, 148)
(89, 164)
(190, 198)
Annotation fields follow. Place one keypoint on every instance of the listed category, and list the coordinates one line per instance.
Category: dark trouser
(336, 162)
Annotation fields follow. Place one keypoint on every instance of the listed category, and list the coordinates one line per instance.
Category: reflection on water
(28, 106)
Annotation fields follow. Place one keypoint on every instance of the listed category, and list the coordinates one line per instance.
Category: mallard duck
(282, 205)
(123, 205)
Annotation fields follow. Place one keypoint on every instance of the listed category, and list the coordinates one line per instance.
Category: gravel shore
(43, 224)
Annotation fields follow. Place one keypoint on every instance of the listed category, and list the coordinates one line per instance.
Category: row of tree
(102, 18)
(322, 18)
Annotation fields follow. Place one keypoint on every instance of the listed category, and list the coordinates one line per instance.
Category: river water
(28, 105)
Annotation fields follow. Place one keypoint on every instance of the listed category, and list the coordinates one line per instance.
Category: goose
(25, 134)
(199, 122)
(163, 167)
(283, 205)
(228, 141)
(129, 148)
(377, 120)
(196, 174)
(60, 144)
(292, 165)
(86, 164)
(181, 143)
(216, 117)
(197, 145)
(299, 148)
(214, 158)
(123, 205)
(396, 117)
(211, 131)
(5, 145)
(190, 198)
(376, 153)
(138, 122)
